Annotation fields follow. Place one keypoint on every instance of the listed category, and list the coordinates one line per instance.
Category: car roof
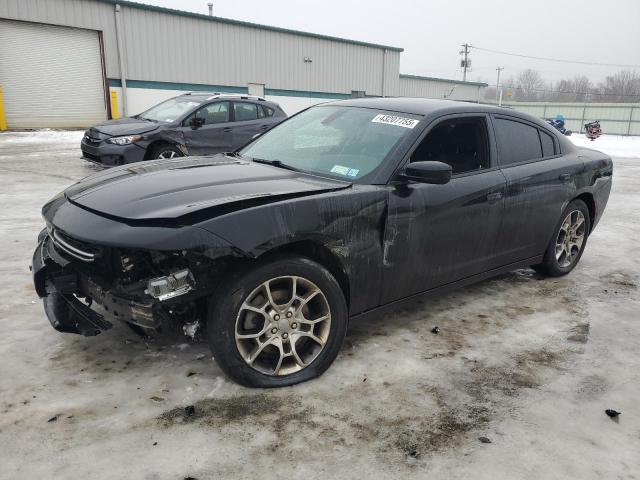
(420, 106)
(431, 107)
(202, 97)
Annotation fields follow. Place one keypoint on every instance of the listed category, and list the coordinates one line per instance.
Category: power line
(620, 65)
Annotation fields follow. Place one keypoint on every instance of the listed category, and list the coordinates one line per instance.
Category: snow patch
(612, 145)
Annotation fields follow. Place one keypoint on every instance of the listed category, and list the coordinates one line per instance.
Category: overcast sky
(431, 31)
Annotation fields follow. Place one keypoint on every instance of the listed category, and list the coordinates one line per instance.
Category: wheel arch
(155, 144)
(319, 253)
(588, 199)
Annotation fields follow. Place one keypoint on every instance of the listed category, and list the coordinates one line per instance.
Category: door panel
(215, 136)
(539, 184)
(536, 195)
(437, 234)
(247, 122)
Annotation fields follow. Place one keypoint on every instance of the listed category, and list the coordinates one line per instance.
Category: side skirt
(446, 288)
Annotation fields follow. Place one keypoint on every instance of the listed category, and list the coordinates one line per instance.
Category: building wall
(414, 86)
(166, 47)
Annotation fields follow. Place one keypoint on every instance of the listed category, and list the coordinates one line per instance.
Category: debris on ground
(484, 439)
(612, 413)
(435, 330)
(54, 418)
(189, 410)
(157, 399)
(201, 356)
(191, 329)
(191, 373)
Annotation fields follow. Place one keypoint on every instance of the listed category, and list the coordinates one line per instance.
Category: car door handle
(264, 127)
(227, 129)
(565, 177)
(493, 197)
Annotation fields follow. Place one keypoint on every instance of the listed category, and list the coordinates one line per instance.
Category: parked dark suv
(197, 123)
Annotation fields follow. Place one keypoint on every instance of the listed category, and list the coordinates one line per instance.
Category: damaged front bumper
(62, 286)
(65, 311)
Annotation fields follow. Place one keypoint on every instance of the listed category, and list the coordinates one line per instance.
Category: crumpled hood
(123, 126)
(169, 189)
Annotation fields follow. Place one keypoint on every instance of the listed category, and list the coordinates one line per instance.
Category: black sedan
(343, 209)
(196, 123)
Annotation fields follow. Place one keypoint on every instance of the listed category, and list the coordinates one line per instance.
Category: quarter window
(245, 111)
(548, 147)
(268, 112)
(517, 142)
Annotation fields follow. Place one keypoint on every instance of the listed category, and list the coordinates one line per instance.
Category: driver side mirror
(437, 173)
(196, 122)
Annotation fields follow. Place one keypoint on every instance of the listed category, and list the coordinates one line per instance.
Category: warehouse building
(72, 63)
(429, 87)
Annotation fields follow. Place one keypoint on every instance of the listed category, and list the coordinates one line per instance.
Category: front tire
(278, 324)
(164, 151)
(568, 241)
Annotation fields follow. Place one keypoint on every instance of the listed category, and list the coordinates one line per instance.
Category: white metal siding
(51, 76)
(615, 118)
(181, 49)
(431, 88)
(173, 48)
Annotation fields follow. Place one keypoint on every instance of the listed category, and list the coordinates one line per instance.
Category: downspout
(384, 71)
(121, 60)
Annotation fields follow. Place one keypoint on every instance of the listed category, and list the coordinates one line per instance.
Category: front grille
(90, 156)
(75, 248)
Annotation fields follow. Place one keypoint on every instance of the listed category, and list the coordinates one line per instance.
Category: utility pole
(465, 63)
(499, 69)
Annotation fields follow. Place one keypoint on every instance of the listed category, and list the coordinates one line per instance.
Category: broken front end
(87, 287)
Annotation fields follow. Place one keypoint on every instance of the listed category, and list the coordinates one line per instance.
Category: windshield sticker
(346, 171)
(394, 120)
(340, 169)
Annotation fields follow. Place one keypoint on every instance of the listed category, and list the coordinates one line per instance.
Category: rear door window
(517, 142)
(245, 111)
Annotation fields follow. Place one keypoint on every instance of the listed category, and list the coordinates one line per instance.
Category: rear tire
(568, 241)
(278, 324)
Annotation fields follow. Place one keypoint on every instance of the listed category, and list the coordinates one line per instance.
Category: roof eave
(211, 18)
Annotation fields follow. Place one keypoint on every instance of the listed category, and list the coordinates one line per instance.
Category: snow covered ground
(612, 145)
(530, 363)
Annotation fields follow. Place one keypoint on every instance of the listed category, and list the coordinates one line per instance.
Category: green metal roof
(445, 80)
(229, 21)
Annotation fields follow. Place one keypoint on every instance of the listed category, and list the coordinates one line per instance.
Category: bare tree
(529, 85)
(577, 89)
(624, 86)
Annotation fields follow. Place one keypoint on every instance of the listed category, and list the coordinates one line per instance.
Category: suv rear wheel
(279, 324)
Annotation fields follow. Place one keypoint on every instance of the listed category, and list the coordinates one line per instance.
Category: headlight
(173, 285)
(124, 140)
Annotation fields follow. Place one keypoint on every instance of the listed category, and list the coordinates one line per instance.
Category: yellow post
(3, 117)
(114, 105)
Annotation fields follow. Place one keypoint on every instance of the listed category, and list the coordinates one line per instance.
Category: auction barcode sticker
(395, 120)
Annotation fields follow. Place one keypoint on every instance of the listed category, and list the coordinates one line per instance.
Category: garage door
(51, 76)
